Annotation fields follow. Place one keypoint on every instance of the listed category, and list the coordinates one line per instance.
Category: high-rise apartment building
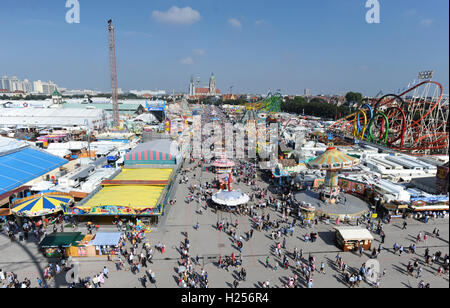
(45, 88)
(15, 84)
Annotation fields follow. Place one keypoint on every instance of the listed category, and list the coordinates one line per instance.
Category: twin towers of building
(197, 90)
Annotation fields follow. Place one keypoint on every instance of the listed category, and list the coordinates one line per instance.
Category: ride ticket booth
(352, 238)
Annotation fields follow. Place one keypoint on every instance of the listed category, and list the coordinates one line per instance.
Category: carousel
(332, 161)
(307, 210)
(329, 201)
(223, 165)
(230, 198)
(41, 204)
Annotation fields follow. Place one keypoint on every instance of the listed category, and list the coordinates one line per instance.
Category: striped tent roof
(149, 155)
(331, 159)
(41, 204)
(223, 163)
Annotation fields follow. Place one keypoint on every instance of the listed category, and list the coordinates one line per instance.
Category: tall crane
(113, 69)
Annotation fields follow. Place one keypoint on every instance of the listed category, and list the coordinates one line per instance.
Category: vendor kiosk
(353, 238)
(55, 245)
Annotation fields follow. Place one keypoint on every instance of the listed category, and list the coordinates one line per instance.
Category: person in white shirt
(105, 272)
(95, 281)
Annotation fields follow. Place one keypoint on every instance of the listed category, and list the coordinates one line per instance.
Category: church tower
(212, 85)
(192, 86)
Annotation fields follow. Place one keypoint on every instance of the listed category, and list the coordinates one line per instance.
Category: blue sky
(323, 45)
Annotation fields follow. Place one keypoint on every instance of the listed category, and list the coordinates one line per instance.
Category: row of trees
(28, 97)
(299, 105)
(315, 107)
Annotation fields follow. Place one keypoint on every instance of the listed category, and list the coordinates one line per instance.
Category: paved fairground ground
(24, 259)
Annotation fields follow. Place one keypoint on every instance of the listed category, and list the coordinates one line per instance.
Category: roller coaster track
(415, 121)
(272, 103)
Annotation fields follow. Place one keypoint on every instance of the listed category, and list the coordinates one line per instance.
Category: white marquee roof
(50, 116)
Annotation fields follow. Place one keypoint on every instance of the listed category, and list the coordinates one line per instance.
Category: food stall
(106, 243)
(352, 238)
(396, 209)
(423, 207)
(55, 245)
(81, 248)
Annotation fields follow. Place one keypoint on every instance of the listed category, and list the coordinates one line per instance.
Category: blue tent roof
(106, 239)
(25, 165)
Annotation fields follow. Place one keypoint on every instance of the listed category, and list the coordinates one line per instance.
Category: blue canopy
(430, 199)
(106, 239)
(24, 165)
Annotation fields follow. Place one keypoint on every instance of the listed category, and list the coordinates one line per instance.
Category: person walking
(419, 272)
(322, 267)
(152, 276)
(144, 281)
(105, 272)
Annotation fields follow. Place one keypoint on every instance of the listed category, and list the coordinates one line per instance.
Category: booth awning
(62, 239)
(5, 212)
(354, 233)
(106, 239)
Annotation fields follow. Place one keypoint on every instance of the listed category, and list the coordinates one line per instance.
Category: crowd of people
(273, 213)
(284, 224)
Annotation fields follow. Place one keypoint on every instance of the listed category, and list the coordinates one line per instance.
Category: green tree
(316, 107)
(351, 97)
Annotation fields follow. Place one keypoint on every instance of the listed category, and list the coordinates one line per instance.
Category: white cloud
(426, 22)
(235, 23)
(187, 61)
(176, 15)
(258, 22)
(198, 52)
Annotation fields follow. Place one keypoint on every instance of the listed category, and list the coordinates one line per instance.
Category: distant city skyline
(326, 47)
(16, 84)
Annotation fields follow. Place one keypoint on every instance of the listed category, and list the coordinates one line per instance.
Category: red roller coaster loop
(417, 120)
